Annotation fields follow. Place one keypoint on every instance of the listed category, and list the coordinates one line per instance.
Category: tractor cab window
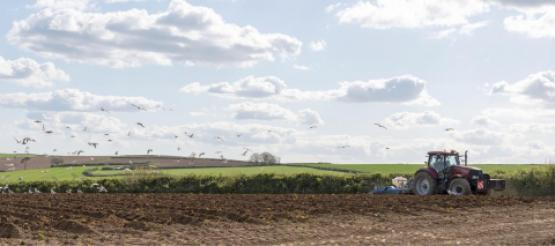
(451, 160)
(437, 162)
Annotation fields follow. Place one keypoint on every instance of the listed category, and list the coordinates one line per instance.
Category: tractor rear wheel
(459, 187)
(424, 184)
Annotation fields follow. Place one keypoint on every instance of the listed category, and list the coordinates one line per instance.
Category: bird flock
(109, 138)
(26, 141)
(95, 187)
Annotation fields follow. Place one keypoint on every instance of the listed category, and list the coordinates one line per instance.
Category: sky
(370, 81)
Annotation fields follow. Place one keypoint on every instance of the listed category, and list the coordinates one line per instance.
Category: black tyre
(459, 187)
(424, 184)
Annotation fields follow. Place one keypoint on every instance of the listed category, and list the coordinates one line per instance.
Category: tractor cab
(443, 162)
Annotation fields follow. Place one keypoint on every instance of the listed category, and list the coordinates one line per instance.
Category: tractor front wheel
(424, 184)
(459, 187)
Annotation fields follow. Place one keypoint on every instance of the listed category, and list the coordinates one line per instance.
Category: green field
(48, 174)
(76, 172)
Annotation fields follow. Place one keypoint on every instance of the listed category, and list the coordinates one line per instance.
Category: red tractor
(444, 174)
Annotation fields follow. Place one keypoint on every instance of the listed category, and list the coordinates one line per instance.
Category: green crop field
(76, 173)
(47, 174)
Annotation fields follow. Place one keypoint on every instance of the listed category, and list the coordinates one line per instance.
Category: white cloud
(28, 72)
(248, 87)
(525, 3)
(467, 29)
(478, 137)
(385, 14)
(397, 89)
(318, 45)
(402, 89)
(71, 122)
(484, 121)
(62, 4)
(183, 33)
(310, 117)
(301, 67)
(332, 7)
(534, 23)
(75, 100)
(538, 88)
(403, 120)
(268, 111)
(261, 111)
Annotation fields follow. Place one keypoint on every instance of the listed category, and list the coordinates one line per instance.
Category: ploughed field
(100, 219)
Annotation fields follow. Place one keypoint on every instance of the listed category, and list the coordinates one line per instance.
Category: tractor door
(437, 162)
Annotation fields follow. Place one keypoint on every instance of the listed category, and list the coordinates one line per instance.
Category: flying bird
(138, 107)
(238, 135)
(449, 129)
(38, 121)
(117, 153)
(313, 127)
(141, 124)
(93, 144)
(192, 135)
(245, 151)
(25, 140)
(201, 154)
(380, 125)
(46, 131)
(149, 151)
(343, 146)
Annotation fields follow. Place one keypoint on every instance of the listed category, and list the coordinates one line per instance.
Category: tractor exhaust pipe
(466, 157)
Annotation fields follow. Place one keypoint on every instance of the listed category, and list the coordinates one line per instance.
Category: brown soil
(185, 219)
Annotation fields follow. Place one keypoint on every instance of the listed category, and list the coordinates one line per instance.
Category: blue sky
(305, 80)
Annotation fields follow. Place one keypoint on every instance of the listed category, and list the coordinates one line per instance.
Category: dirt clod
(9, 230)
(73, 227)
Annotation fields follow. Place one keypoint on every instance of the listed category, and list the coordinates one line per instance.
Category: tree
(264, 158)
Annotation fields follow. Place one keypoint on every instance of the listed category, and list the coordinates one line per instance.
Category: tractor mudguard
(428, 170)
